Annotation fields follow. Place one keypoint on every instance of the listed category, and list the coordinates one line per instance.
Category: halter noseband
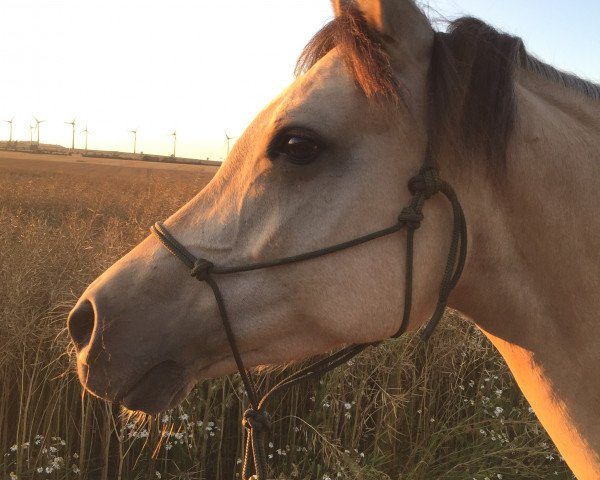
(256, 420)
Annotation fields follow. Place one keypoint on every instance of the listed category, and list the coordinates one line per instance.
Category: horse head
(326, 161)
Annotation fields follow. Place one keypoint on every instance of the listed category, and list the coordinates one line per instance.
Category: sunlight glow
(202, 67)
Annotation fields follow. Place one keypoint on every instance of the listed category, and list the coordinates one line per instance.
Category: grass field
(448, 409)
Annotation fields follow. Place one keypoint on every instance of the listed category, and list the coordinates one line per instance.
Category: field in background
(448, 409)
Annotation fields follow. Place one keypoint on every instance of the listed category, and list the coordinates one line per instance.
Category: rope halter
(255, 420)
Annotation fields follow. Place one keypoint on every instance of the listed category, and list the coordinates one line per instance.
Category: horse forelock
(471, 87)
(362, 52)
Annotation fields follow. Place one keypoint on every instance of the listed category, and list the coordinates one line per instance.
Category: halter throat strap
(256, 420)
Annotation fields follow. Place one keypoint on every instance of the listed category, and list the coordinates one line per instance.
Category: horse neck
(533, 273)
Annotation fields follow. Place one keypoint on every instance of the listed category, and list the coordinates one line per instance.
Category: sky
(205, 67)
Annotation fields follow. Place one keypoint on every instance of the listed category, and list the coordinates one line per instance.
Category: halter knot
(427, 182)
(410, 217)
(257, 420)
(201, 269)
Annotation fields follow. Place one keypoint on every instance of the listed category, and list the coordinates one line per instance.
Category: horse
(328, 160)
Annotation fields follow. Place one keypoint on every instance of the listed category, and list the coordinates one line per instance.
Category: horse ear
(400, 23)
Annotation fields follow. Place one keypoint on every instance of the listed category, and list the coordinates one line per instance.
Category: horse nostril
(81, 324)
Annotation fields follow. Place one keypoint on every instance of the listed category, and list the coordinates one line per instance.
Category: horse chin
(162, 387)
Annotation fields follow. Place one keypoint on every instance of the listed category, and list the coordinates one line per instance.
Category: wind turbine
(228, 139)
(134, 138)
(31, 129)
(11, 125)
(72, 123)
(174, 135)
(37, 126)
(86, 131)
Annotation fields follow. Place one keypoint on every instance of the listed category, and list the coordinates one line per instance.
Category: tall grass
(448, 409)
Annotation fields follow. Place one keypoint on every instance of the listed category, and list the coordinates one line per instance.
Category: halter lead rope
(256, 420)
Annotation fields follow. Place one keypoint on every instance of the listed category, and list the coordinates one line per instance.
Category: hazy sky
(201, 67)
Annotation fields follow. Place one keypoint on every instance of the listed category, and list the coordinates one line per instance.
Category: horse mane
(471, 78)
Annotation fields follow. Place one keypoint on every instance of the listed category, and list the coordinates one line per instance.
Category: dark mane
(471, 78)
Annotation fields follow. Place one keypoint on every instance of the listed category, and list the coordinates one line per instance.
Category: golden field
(448, 409)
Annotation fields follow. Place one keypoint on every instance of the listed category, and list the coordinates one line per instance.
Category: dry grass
(448, 409)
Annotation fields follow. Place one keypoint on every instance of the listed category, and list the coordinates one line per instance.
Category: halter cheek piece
(256, 420)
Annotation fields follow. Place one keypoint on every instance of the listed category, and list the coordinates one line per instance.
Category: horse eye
(299, 150)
